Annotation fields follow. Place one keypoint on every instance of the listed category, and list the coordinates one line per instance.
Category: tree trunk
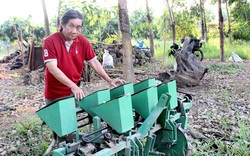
(46, 20)
(128, 69)
(151, 38)
(164, 40)
(20, 41)
(222, 53)
(203, 21)
(58, 15)
(229, 23)
(171, 16)
(119, 32)
(100, 29)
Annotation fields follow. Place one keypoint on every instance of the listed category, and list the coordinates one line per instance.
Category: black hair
(70, 14)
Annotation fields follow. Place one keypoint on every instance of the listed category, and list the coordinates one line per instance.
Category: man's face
(72, 29)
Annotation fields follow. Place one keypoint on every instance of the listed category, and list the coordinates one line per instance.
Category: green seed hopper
(132, 119)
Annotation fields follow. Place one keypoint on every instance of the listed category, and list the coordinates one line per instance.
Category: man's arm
(60, 76)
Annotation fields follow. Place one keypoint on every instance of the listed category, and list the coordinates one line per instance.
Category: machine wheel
(199, 53)
(180, 147)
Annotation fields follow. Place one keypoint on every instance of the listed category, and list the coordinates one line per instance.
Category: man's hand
(113, 82)
(78, 92)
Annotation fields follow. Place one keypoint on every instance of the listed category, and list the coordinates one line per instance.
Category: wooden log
(190, 69)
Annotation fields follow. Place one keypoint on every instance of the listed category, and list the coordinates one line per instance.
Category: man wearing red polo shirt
(64, 54)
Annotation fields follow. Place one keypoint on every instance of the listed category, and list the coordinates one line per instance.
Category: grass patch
(24, 138)
(160, 55)
(226, 68)
(22, 93)
(237, 144)
(239, 47)
(211, 49)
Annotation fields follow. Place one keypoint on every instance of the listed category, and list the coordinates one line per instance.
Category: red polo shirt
(70, 62)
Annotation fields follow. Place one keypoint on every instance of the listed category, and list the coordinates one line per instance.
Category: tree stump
(190, 69)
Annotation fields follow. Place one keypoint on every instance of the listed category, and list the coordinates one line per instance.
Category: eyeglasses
(71, 27)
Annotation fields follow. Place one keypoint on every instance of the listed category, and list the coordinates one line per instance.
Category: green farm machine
(140, 119)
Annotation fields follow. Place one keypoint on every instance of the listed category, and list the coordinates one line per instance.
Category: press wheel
(179, 148)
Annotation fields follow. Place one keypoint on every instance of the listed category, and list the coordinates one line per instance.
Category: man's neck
(70, 41)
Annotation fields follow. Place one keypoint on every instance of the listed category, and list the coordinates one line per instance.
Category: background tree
(108, 22)
(7, 32)
(110, 28)
(164, 40)
(128, 69)
(102, 23)
(172, 20)
(203, 20)
(46, 20)
(151, 38)
(229, 31)
(160, 24)
(186, 24)
(58, 18)
(138, 23)
(222, 52)
(240, 19)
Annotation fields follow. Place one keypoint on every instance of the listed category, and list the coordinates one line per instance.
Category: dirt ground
(219, 96)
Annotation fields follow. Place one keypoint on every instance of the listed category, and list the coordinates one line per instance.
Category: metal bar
(82, 125)
(110, 151)
(148, 145)
(82, 118)
(86, 139)
(151, 119)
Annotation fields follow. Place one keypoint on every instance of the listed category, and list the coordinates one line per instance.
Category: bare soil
(218, 97)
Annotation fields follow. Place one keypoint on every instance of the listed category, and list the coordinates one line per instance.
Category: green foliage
(187, 20)
(23, 27)
(138, 24)
(241, 20)
(241, 30)
(97, 22)
(110, 30)
(186, 25)
(110, 38)
(241, 10)
(8, 32)
(39, 33)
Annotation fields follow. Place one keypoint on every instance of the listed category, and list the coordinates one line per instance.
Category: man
(64, 54)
